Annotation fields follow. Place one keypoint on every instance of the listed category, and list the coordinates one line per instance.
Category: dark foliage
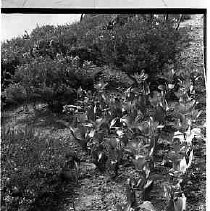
(51, 62)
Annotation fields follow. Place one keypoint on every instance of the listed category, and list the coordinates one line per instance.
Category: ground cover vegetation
(126, 106)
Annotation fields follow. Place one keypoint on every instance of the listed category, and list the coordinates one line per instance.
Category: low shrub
(115, 78)
(52, 81)
(29, 165)
(13, 95)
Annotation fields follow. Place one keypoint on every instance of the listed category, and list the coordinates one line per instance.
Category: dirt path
(193, 55)
(193, 62)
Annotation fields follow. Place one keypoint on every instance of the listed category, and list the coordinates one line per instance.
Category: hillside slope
(95, 190)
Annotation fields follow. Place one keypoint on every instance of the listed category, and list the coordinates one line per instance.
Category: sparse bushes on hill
(42, 63)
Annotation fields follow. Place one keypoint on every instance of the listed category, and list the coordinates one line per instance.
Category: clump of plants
(144, 130)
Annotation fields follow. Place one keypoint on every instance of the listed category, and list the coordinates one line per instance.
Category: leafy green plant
(130, 126)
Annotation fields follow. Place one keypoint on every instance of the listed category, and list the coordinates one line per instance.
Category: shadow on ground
(40, 118)
(56, 199)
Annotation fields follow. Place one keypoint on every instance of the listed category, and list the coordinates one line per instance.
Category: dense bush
(51, 81)
(114, 78)
(14, 52)
(137, 44)
(14, 95)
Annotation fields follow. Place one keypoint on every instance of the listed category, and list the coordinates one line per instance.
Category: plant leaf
(139, 162)
(147, 206)
(183, 165)
(180, 203)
